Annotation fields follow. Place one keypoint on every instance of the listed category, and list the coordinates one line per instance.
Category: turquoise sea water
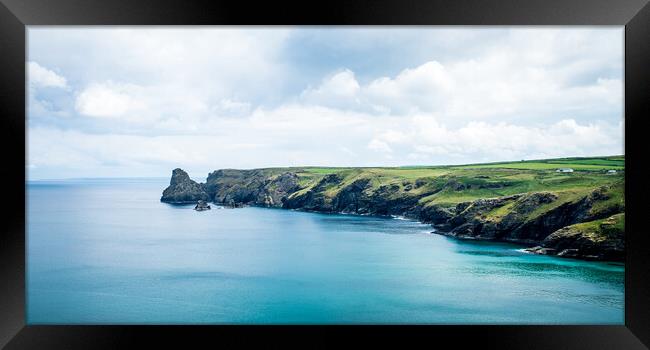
(108, 252)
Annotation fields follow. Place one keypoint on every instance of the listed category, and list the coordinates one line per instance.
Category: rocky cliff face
(183, 190)
(333, 195)
(536, 218)
(595, 240)
(254, 187)
(526, 218)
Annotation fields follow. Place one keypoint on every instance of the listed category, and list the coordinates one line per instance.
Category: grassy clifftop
(450, 185)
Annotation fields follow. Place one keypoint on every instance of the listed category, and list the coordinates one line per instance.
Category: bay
(107, 251)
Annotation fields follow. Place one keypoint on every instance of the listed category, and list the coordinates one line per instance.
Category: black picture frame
(15, 15)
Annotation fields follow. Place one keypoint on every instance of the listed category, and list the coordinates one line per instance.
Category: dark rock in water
(202, 205)
(183, 190)
(568, 253)
(541, 250)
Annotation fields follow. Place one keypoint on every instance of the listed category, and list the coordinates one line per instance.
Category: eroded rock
(183, 190)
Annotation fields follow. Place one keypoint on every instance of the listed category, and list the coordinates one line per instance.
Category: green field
(589, 164)
(449, 185)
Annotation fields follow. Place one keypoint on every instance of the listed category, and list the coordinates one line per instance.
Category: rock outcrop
(252, 187)
(593, 240)
(536, 219)
(202, 205)
(183, 190)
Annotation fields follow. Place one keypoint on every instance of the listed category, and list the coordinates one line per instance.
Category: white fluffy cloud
(422, 137)
(500, 86)
(340, 89)
(423, 88)
(107, 101)
(40, 76)
(212, 63)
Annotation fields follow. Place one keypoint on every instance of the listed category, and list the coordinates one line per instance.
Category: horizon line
(27, 179)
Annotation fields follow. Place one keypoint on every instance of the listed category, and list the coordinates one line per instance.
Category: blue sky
(140, 101)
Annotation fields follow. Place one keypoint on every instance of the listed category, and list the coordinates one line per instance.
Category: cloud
(212, 63)
(381, 146)
(40, 76)
(138, 101)
(151, 107)
(330, 138)
(504, 85)
(107, 100)
(423, 88)
(231, 108)
(340, 89)
(425, 139)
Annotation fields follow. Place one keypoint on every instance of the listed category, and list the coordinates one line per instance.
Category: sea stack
(183, 190)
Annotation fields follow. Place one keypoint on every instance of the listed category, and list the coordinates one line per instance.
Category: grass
(616, 197)
(450, 185)
(599, 230)
(546, 166)
(498, 213)
(586, 164)
(324, 170)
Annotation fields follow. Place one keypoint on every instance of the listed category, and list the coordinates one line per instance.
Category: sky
(141, 101)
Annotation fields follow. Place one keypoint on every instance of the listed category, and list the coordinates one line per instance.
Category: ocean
(107, 251)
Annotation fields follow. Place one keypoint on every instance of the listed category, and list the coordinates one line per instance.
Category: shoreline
(526, 245)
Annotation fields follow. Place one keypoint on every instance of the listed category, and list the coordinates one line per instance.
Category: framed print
(465, 172)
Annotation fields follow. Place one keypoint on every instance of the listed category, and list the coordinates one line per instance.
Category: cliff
(602, 239)
(539, 208)
(183, 190)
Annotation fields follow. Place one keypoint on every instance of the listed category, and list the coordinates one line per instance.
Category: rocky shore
(585, 226)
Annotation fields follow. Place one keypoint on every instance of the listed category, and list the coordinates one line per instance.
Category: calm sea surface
(107, 251)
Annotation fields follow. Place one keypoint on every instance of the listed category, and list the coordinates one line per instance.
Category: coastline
(526, 246)
(587, 225)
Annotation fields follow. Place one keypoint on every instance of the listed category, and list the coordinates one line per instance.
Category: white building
(564, 170)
